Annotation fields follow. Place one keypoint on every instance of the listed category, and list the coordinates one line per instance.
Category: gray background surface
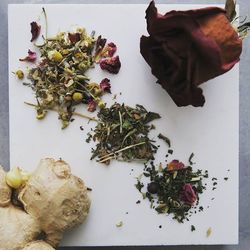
(244, 151)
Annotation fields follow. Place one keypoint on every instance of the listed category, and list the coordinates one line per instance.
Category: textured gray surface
(244, 218)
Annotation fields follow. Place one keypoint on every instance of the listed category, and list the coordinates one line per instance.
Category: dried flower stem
(46, 23)
(74, 113)
(120, 117)
(112, 155)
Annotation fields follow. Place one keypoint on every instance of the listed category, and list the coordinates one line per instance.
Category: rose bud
(187, 48)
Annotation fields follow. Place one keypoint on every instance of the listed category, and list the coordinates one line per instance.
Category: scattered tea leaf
(190, 159)
(164, 138)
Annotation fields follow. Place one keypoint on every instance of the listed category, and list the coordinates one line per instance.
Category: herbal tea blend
(173, 189)
(122, 133)
(59, 80)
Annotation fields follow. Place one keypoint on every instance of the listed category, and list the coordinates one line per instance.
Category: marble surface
(244, 218)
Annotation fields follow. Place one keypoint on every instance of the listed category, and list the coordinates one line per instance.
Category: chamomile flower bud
(55, 56)
(19, 73)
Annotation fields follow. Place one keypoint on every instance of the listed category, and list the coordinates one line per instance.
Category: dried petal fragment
(91, 105)
(175, 165)
(108, 51)
(74, 37)
(100, 43)
(188, 195)
(35, 30)
(105, 85)
(30, 58)
(112, 64)
(111, 48)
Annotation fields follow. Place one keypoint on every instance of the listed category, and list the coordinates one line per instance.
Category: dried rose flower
(35, 30)
(30, 58)
(187, 194)
(105, 85)
(111, 64)
(74, 37)
(91, 105)
(175, 165)
(187, 48)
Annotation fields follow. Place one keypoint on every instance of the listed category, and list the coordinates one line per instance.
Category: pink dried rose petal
(91, 105)
(111, 64)
(30, 58)
(175, 165)
(108, 51)
(105, 85)
(111, 48)
(187, 194)
(35, 30)
(74, 37)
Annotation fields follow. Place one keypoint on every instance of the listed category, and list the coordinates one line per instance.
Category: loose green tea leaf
(122, 133)
(164, 138)
(174, 189)
(243, 29)
(190, 159)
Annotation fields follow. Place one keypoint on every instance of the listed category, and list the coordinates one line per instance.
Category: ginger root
(5, 190)
(53, 201)
(38, 245)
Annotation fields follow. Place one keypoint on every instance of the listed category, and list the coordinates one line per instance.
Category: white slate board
(211, 132)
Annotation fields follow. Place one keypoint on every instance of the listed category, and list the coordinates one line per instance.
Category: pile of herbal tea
(173, 189)
(122, 134)
(59, 80)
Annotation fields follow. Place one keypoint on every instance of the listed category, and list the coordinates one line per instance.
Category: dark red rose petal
(30, 58)
(188, 195)
(112, 64)
(105, 85)
(91, 105)
(187, 48)
(74, 37)
(35, 30)
(175, 165)
(100, 43)
(111, 49)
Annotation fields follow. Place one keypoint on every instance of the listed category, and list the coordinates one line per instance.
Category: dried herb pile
(173, 189)
(59, 80)
(122, 134)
